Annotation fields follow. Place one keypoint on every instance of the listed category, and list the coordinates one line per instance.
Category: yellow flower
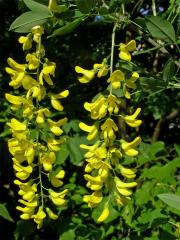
(37, 32)
(50, 213)
(108, 128)
(104, 215)
(47, 159)
(113, 104)
(33, 61)
(127, 172)
(130, 83)
(21, 148)
(95, 183)
(16, 66)
(103, 171)
(58, 198)
(14, 147)
(53, 144)
(53, 6)
(56, 179)
(28, 108)
(15, 100)
(28, 82)
(55, 102)
(29, 208)
(37, 91)
(22, 172)
(116, 78)
(94, 156)
(93, 200)
(18, 75)
(41, 114)
(15, 125)
(97, 152)
(28, 211)
(125, 50)
(91, 148)
(120, 199)
(55, 126)
(92, 130)
(17, 72)
(48, 69)
(29, 151)
(131, 119)
(39, 217)
(28, 192)
(26, 41)
(98, 108)
(87, 76)
(32, 203)
(123, 188)
(101, 69)
(128, 147)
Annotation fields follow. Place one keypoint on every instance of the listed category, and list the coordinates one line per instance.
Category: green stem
(177, 13)
(154, 8)
(112, 51)
(112, 48)
(123, 8)
(41, 187)
(37, 105)
(39, 55)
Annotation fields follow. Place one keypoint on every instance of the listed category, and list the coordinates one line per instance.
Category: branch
(161, 121)
(154, 43)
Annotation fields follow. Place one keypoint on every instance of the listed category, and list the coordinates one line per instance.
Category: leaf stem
(112, 48)
(154, 8)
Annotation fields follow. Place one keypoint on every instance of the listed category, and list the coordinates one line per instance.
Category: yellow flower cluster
(104, 172)
(35, 136)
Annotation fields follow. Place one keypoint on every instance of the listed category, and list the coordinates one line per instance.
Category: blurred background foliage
(81, 35)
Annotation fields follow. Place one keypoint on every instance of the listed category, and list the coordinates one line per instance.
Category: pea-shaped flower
(125, 50)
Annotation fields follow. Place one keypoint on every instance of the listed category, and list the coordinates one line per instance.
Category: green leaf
(160, 172)
(85, 6)
(177, 148)
(4, 213)
(24, 229)
(6, 133)
(161, 29)
(34, 134)
(143, 194)
(73, 124)
(75, 152)
(62, 154)
(171, 199)
(68, 235)
(25, 22)
(128, 212)
(36, 7)
(68, 28)
(169, 70)
(151, 84)
(141, 22)
(77, 198)
(118, 92)
(148, 152)
(150, 215)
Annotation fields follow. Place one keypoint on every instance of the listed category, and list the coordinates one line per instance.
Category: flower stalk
(35, 136)
(105, 174)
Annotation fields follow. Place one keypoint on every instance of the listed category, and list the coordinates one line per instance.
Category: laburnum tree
(90, 120)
